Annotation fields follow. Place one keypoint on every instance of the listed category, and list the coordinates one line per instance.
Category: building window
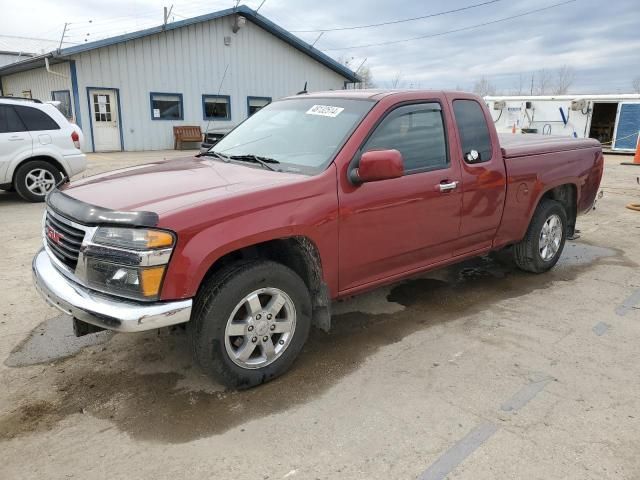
(64, 97)
(216, 107)
(256, 103)
(166, 106)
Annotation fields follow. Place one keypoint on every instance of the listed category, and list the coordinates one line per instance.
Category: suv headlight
(128, 262)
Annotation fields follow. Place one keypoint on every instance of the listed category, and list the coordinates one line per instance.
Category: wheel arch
(44, 158)
(299, 253)
(567, 195)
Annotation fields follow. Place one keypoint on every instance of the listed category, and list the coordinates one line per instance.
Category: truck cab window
(473, 129)
(417, 132)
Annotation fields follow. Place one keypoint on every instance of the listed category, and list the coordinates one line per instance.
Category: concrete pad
(405, 376)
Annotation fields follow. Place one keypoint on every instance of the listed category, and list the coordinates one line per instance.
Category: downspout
(46, 64)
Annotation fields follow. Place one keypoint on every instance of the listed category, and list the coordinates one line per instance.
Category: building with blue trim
(127, 92)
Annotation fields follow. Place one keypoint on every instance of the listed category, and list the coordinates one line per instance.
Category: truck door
(393, 226)
(483, 176)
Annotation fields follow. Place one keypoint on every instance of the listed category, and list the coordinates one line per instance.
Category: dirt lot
(477, 371)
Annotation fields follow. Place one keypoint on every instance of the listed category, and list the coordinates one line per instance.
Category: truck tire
(543, 243)
(34, 179)
(250, 322)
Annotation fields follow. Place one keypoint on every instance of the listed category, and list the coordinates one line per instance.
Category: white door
(104, 117)
(15, 141)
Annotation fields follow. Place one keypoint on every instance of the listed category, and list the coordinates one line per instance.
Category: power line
(393, 42)
(393, 22)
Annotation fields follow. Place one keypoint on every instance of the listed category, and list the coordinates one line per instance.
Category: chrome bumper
(101, 310)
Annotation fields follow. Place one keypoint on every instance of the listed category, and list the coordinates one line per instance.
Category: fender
(7, 169)
(314, 218)
(36, 152)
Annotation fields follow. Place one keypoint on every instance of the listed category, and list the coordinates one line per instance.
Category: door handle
(15, 139)
(446, 186)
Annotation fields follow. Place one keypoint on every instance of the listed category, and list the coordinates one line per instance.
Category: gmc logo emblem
(54, 236)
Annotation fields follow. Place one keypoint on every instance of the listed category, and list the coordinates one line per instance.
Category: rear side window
(36, 120)
(472, 125)
(9, 120)
(417, 132)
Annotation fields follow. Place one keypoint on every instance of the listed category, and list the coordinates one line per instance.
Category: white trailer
(614, 120)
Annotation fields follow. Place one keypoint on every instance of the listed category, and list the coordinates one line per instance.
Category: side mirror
(378, 165)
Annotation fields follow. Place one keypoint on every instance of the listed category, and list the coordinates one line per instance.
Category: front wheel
(250, 322)
(544, 241)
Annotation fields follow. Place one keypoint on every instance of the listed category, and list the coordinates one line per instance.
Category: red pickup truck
(315, 197)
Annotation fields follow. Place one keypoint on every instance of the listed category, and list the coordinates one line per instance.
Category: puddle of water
(163, 406)
(51, 341)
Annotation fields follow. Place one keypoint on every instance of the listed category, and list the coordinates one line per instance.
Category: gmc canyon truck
(315, 197)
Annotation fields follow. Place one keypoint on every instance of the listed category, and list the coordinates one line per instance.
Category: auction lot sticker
(325, 111)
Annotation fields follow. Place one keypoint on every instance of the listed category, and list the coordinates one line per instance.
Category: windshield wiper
(264, 161)
(211, 153)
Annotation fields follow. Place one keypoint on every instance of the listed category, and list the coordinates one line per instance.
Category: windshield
(302, 135)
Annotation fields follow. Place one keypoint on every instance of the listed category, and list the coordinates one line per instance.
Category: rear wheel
(36, 178)
(544, 241)
(250, 322)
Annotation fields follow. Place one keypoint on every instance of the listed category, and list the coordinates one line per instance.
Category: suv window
(35, 119)
(472, 125)
(9, 120)
(416, 131)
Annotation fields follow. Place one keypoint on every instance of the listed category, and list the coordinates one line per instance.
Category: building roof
(251, 15)
(27, 46)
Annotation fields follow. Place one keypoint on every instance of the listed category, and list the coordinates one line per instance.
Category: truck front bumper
(100, 310)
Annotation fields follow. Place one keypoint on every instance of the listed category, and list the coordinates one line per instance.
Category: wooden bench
(186, 133)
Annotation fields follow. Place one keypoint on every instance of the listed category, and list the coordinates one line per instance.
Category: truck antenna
(304, 90)
(224, 75)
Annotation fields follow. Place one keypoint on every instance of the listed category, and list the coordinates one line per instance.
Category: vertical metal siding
(39, 81)
(191, 61)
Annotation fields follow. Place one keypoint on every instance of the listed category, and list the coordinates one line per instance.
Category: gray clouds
(599, 40)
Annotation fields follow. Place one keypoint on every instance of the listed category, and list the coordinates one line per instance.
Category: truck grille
(63, 239)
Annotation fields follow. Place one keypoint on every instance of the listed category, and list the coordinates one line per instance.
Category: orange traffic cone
(513, 130)
(636, 157)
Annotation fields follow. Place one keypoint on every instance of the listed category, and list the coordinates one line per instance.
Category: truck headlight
(136, 266)
(133, 238)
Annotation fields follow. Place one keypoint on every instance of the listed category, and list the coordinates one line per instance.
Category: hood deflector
(88, 214)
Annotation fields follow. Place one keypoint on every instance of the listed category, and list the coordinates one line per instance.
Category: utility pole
(316, 40)
(64, 31)
(361, 65)
(532, 83)
(167, 13)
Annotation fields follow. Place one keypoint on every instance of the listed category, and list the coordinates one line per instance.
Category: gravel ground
(477, 371)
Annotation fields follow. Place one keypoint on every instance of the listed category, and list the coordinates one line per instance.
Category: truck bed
(520, 145)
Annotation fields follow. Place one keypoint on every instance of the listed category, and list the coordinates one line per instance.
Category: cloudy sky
(599, 40)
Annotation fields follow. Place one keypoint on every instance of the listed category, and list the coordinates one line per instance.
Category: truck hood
(170, 185)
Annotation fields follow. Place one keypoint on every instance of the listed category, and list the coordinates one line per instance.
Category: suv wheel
(36, 178)
(543, 243)
(250, 322)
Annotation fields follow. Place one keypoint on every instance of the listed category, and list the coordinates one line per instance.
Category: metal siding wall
(39, 81)
(191, 61)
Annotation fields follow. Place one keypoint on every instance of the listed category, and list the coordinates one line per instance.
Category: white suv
(38, 147)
